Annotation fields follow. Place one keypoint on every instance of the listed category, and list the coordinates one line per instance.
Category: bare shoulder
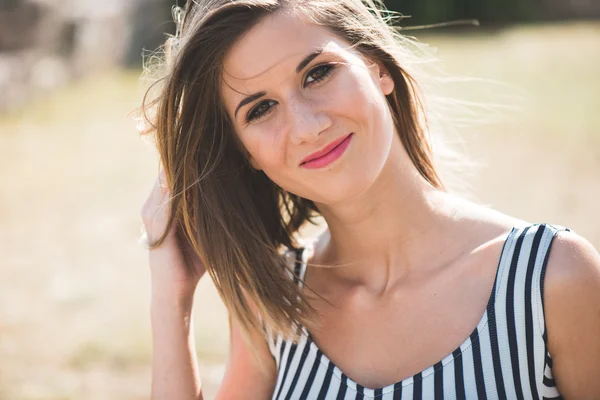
(483, 220)
(572, 311)
(573, 260)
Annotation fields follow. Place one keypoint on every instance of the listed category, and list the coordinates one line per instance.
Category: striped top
(505, 357)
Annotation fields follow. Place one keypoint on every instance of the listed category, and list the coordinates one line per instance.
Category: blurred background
(74, 293)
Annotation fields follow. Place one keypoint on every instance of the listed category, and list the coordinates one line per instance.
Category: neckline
(466, 344)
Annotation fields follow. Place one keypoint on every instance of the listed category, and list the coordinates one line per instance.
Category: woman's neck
(392, 227)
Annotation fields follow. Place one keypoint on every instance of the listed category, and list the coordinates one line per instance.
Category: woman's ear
(386, 83)
(382, 77)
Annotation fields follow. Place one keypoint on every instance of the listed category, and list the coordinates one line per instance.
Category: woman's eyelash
(321, 71)
(256, 113)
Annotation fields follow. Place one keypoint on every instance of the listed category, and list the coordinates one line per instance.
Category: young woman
(276, 111)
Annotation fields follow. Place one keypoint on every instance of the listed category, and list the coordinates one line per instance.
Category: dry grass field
(74, 293)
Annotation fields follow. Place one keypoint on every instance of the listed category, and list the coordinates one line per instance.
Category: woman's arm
(248, 375)
(175, 272)
(175, 367)
(174, 364)
(174, 279)
(572, 308)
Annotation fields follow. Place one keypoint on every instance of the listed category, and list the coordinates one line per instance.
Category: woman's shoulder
(571, 302)
(573, 257)
(485, 221)
(572, 313)
(573, 265)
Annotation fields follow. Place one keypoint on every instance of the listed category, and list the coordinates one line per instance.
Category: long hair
(236, 219)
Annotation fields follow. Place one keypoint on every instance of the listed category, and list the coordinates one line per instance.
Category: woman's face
(294, 89)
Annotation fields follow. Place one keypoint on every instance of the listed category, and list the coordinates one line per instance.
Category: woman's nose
(306, 122)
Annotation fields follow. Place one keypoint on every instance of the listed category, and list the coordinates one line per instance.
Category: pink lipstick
(328, 154)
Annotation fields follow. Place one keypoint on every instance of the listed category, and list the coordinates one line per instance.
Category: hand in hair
(175, 267)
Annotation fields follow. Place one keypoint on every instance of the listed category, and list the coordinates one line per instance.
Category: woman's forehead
(276, 41)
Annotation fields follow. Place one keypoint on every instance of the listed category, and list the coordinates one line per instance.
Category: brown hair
(236, 218)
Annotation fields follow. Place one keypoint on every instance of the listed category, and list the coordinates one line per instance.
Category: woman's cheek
(269, 145)
(350, 90)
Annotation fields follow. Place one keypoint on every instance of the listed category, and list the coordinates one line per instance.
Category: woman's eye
(260, 110)
(263, 108)
(318, 73)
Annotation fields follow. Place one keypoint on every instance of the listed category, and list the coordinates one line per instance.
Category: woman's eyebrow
(247, 100)
(308, 59)
(299, 68)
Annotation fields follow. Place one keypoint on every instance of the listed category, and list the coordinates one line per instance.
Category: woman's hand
(174, 266)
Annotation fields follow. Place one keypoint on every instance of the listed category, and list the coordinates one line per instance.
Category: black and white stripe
(505, 357)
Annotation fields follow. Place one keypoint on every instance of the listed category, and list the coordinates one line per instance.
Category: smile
(329, 154)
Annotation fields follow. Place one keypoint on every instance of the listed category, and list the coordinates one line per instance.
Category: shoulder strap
(296, 262)
(519, 308)
(297, 265)
(300, 267)
(544, 248)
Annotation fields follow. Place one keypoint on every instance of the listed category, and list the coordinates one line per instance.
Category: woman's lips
(329, 157)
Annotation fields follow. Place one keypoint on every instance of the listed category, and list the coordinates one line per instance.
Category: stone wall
(46, 43)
